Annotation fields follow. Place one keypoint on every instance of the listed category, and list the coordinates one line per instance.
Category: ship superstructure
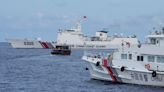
(76, 39)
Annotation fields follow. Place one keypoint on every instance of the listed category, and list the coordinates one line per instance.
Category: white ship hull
(114, 44)
(140, 77)
(114, 73)
(97, 72)
(25, 43)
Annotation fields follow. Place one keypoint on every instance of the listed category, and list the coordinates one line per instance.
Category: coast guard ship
(76, 39)
(30, 43)
(142, 64)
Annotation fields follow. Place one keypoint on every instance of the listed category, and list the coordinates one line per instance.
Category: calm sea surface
(36, 70)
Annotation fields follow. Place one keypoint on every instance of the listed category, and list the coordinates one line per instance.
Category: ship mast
(78, 24)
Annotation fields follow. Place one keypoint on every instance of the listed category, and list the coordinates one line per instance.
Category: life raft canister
(147, 66)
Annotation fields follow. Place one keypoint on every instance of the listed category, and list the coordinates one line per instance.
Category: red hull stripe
(110, 70)
(41, 44)
(45, 44)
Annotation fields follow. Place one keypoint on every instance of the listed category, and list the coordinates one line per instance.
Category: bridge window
(123, 56)
(140, 58)
(151, 58)
(130, 56)
(160, 59)
(153, 41)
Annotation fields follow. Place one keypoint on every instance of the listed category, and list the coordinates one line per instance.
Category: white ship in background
(76, 39)
(28, 43)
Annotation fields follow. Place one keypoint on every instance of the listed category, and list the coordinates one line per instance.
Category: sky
(42, 18)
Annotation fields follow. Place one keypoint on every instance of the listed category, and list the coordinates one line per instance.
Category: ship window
(130, 56)
(153, 41)
(140, 58)
(151, 58)
(157, 41)
(28, 43)
(160, 59)
(123, 56)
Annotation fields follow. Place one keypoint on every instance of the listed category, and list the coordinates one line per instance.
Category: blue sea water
(36, 70)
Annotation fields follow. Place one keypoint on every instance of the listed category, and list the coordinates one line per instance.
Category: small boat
(61, 50)
(141, 64)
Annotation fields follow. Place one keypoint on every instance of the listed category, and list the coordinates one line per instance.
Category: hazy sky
(43, 18)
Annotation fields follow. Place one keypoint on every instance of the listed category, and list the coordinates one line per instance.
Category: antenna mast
(78, 24)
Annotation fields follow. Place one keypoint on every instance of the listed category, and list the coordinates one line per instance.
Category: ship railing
(97, 54)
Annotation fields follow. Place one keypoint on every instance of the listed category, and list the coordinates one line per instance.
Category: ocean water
(36, 70)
